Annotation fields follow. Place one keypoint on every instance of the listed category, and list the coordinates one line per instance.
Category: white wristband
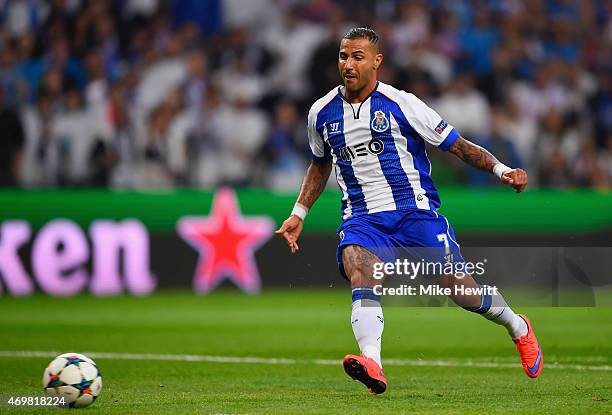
(300, 211)
(499, 169)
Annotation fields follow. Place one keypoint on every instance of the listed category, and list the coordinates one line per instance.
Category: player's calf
(367, 318)
(470, 299)
(486, 301)
(492, 305)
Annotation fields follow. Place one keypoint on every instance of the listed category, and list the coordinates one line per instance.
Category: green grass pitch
(445, 360)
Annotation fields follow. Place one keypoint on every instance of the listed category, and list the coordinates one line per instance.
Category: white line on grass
(283, 361)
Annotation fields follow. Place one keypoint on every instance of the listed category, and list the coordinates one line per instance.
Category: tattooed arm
(478, 157)
(314, 182)
(473, 154)
(313, 185)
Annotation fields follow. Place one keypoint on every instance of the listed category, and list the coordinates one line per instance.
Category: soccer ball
(74, 377)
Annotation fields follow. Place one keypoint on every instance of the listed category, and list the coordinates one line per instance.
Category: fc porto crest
(380, 123)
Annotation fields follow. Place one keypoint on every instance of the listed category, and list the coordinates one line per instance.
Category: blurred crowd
(165, 93)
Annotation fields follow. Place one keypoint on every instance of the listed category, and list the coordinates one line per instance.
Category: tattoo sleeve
(314, 181)
(473, 154)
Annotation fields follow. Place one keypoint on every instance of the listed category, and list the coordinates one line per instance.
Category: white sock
(368, 323)
(495, 308)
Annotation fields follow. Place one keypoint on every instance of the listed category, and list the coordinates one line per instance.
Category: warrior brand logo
(333, 127)
(348, 153)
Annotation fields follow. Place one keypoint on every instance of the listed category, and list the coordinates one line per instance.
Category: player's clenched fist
(290, 230)
(517, 178)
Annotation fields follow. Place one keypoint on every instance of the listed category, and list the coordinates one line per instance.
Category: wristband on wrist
(300, 211)
(499, 169)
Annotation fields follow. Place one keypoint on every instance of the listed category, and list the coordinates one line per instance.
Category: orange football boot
(530, 351)
(366, 371)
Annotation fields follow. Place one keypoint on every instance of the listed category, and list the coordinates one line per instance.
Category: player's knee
(358, 280)
(358, 264)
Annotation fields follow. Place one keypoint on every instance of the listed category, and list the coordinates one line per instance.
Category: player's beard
(357, 86)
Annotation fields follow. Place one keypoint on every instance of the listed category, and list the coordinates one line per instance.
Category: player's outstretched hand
(517, 178)
(290, 230)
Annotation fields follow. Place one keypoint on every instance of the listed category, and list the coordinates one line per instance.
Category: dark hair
(362, 33)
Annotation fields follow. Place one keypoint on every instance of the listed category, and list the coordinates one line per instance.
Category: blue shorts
(399, 234)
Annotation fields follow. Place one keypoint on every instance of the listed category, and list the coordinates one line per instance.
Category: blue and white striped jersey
(378, 149)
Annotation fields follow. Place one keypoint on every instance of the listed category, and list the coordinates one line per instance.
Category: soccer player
(374, 136)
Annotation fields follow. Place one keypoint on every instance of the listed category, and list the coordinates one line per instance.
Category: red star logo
(227, 242)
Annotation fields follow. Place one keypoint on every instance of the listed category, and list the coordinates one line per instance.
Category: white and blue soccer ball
(73, 377)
